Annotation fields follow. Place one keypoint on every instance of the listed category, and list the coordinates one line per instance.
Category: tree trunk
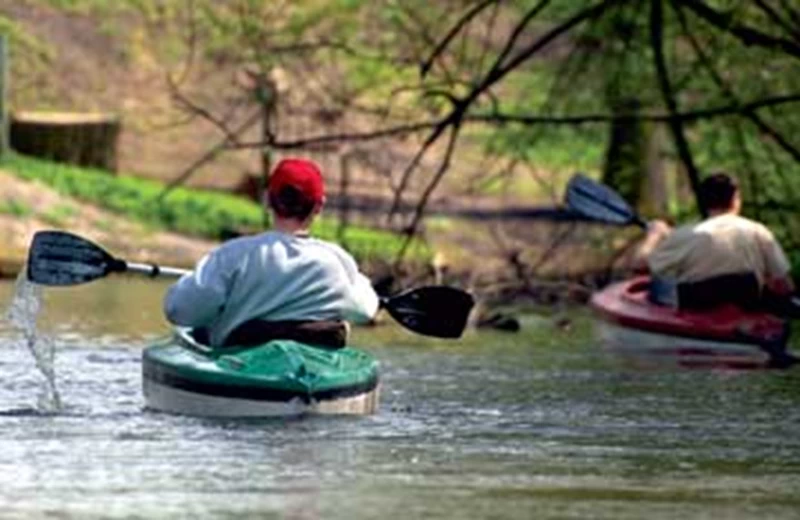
(626, 155)
(4, 78)
(657, 190)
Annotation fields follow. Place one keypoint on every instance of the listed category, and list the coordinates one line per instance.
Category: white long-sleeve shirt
(272, 276)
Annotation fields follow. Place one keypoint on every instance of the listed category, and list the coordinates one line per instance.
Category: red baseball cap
(301, 174)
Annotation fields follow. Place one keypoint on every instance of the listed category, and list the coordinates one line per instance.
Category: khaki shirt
(723, 244)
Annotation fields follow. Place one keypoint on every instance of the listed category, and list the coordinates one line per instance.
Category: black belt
(328, 334)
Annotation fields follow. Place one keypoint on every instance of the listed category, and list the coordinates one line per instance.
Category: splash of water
(22, 313)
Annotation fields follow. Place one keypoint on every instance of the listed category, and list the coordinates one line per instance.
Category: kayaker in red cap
(724, 258)
(281, 284)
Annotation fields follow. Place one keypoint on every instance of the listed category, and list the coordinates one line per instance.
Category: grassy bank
(191, 212)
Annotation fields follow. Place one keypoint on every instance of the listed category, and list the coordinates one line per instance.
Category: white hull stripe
(164, 376)
(173, 400)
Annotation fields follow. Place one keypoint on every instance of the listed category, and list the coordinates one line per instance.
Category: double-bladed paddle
(59, 258)
(598, 202)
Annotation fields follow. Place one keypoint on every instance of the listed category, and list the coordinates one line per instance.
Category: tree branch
(327, 139)
(196, 110)
(728, 91)
(776, 17)
(686, 117)
(518, 30)
(419, 213)
(500, 118)
(675, 124)
(748, 35)
(209, 156)
(790, 11)
(452, 33)
(499, 71)
(406, 177)
(567, 75)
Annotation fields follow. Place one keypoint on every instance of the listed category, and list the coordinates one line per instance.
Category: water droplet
(22, 314)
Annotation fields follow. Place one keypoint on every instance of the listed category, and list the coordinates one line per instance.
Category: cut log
(84, 139)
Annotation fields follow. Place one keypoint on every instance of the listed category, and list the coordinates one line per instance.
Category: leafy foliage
(384, 63)
(194, 212)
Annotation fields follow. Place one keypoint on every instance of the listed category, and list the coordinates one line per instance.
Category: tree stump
(84, 139)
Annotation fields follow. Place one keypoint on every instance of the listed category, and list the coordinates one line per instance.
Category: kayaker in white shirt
(725, 254)
(278, 284)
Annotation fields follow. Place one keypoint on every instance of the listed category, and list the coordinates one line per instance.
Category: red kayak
(726, 336)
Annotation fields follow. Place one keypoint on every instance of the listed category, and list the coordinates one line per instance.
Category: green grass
(192, 212)
(15, 208)
(91, 6)
(59, 215)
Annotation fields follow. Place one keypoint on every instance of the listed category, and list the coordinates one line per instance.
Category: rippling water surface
(537, 425)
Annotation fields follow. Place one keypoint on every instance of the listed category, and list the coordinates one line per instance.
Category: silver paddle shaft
(155, 270)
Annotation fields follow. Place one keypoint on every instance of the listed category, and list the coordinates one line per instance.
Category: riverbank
(523, 261)
(29, 206)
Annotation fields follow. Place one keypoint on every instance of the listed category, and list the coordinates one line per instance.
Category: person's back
(272, 277)
(720, 245)
(723, 247)
(280, 284)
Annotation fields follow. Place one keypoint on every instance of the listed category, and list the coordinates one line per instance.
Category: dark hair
(289, 202)
(717, 191)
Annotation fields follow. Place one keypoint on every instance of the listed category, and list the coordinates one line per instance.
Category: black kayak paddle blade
(58, 258)
(438, 311)
(598, 202)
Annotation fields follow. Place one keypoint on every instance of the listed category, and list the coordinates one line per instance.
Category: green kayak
(278, 378)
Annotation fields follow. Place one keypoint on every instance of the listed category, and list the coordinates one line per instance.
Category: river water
(540, 424)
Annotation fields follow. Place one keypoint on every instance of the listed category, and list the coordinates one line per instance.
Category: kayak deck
(724, 336)
(277, 378)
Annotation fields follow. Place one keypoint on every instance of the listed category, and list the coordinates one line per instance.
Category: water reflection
(120, 308)
(537, 425)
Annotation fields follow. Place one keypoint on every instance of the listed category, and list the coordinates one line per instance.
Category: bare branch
(191, 42)
(618, 77)
(452, 33)
(412, 166)
(327, 139)
(422, 31)
(209, 156)
(706, 63)
(489, 29)
(748, 35)
(687, 117)
(499, 118)
(675, 124)
(728, 91)
(419, 213)
(559, 240)
(512, 40)
(776, 18)
(499, 70)
(791, 12)
(196, 109)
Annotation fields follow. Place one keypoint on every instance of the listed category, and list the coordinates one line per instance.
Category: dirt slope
(30, 206)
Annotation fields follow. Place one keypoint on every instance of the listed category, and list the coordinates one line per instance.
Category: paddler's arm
(364, 302)
(657, 231)
(199, 297)
(361, 303)
(777, 277)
